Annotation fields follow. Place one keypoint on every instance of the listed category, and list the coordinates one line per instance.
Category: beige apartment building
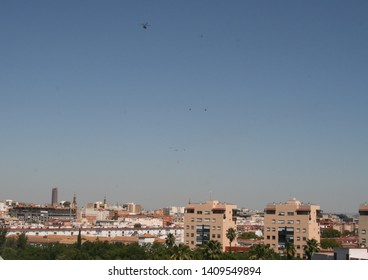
(363, 225)
(208, 221)
(291, 222)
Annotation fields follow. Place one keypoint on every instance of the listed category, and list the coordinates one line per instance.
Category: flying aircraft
(145, 25)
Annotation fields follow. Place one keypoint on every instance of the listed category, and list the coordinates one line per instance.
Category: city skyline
(105, 201)
(252, 102)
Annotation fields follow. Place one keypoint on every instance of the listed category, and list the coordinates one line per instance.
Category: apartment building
(133, 207)
(41, 214)
(363, 225)
(208, 221)
(291, 222)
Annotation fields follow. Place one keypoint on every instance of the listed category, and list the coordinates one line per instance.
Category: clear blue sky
(251, 101)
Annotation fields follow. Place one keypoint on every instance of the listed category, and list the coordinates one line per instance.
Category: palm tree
(262, 252)
(212, 250)
(289, 250)
(231, 235)
(170, 240)
(311, 247)
(79, 240)
(181, 252)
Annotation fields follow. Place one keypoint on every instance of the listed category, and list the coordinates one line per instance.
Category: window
(281, 213)
(207, 212)
(273, 221)
(213, 227)
(290, 222)
(290, 213)
(281, 222)
(268, 237)
(192, 235)
(199, 219)
(207, 220)
(218, 227)
(297, 222)
(273, 229)
(213, 235)
(268, 229)
(304, 238)
(199, 212)
(273, 237)
(218, 235)
(187, 234)
(298, 238)
(213, 220)
(363, 231)
(187, 226)
(191, 227)
(298, 230)
(192, 219)
(304, 230)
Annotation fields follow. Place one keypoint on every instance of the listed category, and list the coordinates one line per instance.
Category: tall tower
(74, 203)
(54, 197)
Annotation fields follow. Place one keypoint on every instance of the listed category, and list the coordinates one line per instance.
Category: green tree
(289, 251)
(181, 252)
(231, 235)
(248, 235)
(137, 225)
(66, 204)
(330, 233)
(3, 233)
(347, 232)
(158, 251)
(328, 243)
(262, 252)
(170, 240)
(212, 250)
(22, 241)
(311, 247)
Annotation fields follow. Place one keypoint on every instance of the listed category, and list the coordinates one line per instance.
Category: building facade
(54, 197)
(39, 214)
(363, 225)
(208, 221)
(291, 222)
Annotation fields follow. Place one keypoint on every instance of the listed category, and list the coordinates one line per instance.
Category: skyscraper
(54, 197)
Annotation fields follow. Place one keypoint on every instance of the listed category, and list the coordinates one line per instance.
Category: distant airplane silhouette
(145, 25)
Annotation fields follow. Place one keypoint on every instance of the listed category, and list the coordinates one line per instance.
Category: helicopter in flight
(145, 25)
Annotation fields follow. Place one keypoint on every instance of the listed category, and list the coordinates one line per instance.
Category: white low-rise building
(99, 231)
